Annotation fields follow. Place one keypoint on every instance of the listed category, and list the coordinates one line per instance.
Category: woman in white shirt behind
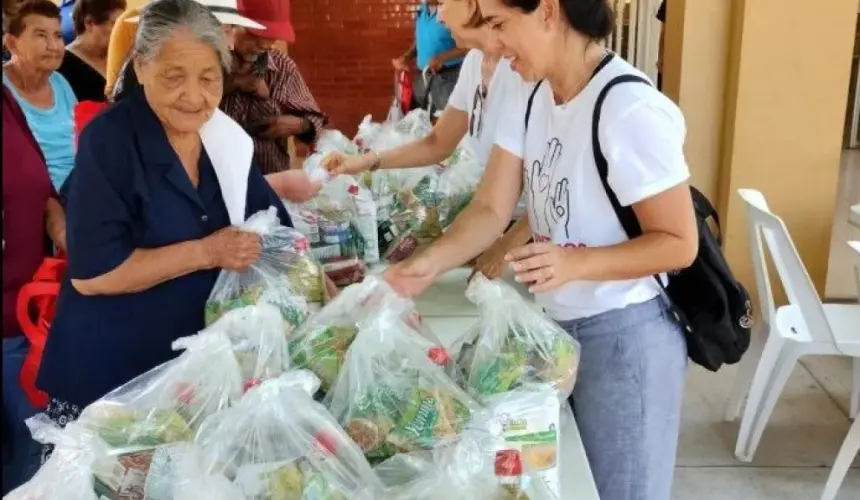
(584, 270)
(485, 86)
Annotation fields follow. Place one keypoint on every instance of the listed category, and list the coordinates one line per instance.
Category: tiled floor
(796, 451)
(840, 278)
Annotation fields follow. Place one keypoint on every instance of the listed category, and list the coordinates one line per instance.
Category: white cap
(225, 10)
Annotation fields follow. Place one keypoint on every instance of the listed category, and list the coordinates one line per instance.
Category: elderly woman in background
(125, 28)
(160, 177)
(85, 62)
(32, 34)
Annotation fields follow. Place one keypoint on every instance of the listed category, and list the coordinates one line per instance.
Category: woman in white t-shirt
(583, 269)
(474, 109)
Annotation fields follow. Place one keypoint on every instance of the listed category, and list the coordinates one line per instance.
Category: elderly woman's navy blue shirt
(131, 192)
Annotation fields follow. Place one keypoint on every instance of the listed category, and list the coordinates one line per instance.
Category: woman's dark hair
(14, 14)
(592, 18)
(97, 10)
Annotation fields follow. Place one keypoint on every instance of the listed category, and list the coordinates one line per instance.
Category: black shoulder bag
(709, 303)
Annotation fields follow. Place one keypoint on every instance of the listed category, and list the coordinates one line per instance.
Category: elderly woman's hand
(232, 249)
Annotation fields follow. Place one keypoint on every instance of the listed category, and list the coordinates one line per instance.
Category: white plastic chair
(747, 366)
(803, 327)
(851, 445)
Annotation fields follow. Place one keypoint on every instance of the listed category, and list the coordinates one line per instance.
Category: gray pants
(627, 399)
(441, 86)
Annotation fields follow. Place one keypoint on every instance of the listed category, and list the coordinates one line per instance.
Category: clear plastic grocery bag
(331, 140)
(415, 125)
(286, 275)
(393, 394)
(459, 180)
(469, 467)
(314, 167)
(348, 220)
(167, 404)
(278, 443)
(68, 473)
(321, 343)
(259, 343)
(515, 344)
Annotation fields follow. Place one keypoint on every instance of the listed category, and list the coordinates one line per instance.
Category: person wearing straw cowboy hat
(266, 94)
(123, 33)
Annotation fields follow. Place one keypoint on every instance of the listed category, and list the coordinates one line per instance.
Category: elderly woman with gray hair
(160, 179)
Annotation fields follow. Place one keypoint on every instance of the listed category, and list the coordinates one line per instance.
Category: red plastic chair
(85, 111)
(39, 296)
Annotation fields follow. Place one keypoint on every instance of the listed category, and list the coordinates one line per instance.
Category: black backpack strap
(530, 103)
(625, 215)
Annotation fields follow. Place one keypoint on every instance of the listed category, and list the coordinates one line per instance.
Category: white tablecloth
(449, 314)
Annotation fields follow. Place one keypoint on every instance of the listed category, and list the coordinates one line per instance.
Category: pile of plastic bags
(359, 402)
(387, 214)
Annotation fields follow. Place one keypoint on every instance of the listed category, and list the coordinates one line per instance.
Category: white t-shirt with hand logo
(641, 134)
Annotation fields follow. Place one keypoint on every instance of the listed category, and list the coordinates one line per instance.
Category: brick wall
(344, 49)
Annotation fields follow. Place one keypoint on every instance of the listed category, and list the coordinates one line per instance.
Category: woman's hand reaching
(232, 249)
(338, 163)
(293, 185)
(411, 277)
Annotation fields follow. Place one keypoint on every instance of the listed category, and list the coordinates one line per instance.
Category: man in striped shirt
(266, 94)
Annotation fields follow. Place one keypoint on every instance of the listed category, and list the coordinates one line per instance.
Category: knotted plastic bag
(321, 344)
(286, 276)
(277, 443)
(166, 404)
(259, 343)
(313, 166)
(514, 344)
(393, 394)
(143, 421)
(68, 474)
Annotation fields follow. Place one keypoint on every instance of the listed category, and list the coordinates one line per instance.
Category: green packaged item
(394, 395)
(321, 343)
(514, 344)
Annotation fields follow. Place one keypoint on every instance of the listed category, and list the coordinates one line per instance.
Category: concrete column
(764, 85)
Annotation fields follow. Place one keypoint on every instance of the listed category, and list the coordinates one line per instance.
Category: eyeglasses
(476, 117)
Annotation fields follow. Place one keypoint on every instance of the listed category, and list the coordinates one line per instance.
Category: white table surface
(449, 314)
(854, 215)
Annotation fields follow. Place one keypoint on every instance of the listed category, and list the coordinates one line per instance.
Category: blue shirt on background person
(54, 127)
(432, 38)
(129, 191)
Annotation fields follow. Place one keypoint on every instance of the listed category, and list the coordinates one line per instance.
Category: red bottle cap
(325, 442)
(439, 356)
(508, 463)
(185, 394)
(250, 383)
